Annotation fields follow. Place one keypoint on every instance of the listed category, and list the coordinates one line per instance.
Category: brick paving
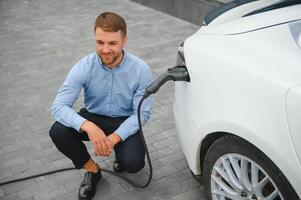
(40, 41)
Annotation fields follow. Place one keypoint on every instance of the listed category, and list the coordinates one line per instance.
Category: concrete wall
(189, 10)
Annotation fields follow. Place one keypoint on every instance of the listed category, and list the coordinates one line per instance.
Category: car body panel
(293, 110)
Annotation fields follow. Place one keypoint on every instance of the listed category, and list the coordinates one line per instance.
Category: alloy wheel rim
(237, 177)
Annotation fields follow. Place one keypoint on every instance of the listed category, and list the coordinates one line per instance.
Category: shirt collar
(118, 66)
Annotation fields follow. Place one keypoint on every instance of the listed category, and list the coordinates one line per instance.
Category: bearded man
(114, 82)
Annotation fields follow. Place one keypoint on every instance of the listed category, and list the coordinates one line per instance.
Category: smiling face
(109, 46)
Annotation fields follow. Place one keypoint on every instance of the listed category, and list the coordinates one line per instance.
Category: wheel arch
(207, 142)
(214, 136)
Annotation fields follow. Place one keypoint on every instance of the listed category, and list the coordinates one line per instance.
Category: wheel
(235, 169)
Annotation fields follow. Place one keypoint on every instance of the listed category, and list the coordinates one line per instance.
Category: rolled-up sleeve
(130, 125)
(68, 93)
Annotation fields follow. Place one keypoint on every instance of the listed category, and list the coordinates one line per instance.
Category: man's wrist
(115, 138)
(85, 126)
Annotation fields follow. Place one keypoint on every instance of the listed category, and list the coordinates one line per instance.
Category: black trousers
(130, 153)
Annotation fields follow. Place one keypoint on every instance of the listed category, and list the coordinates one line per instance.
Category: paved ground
(39, 42)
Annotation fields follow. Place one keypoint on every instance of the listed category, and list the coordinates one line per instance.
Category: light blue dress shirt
(111, 92)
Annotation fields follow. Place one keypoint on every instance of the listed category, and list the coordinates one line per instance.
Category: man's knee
(58, 132)
(133, 165)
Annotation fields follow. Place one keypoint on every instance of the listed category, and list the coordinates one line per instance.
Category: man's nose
(106, 49)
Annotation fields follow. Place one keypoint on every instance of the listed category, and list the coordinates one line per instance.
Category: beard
(109, 59)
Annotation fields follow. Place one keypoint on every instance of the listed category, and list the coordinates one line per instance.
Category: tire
(231, 164)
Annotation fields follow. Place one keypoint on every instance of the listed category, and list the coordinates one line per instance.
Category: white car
(239, 118)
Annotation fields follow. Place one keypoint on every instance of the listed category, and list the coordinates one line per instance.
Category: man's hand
(101, 145)
(113, 139)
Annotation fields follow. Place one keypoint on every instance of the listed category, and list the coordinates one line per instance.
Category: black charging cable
(177, 73)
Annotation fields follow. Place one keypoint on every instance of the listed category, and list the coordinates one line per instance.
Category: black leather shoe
(88, 185)
(117, 167)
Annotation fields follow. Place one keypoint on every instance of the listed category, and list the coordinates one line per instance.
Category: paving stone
(175, 147)
(11, 197)
(32, 190)
(29, 198)
(1, 193)
(15, 147)
(164, 171)
(47, 194)
(51, 157)
(42, 191)
(176, 189)
(62, 162)
(5, 174)
(156, 164)
(172, 158)
(135, 195)
(194, 194)
(15, 187)
(63, 178)
(162, 127)
(7, 142)
(170, 133)
(105, 191)
(151, 148)
(40, 169)
(72, 185)
(68, 196)
(161, 153)
(24, 166)
(40, 154)
(181, 164)
(155, 138)
(13, 162)
(165, 143)
(175, 177)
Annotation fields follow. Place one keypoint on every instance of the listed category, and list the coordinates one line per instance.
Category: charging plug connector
(176, 73)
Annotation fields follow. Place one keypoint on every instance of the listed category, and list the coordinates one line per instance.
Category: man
(114, 82)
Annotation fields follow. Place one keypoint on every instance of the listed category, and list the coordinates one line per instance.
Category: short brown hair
(111, 22)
